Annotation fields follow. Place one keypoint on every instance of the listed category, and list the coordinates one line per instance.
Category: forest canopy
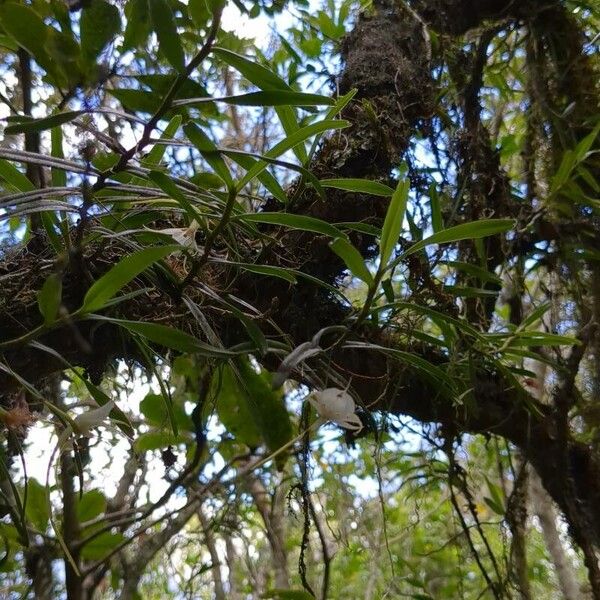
(299, 299)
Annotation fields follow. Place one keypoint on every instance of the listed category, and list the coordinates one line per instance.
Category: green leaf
(267, 407)
(361, 186)
(199, 12)
(100, 23)
(50, 297)
(393, 222)
(155, 440)
(209, 151)
(266, 80)
(424, 367)
(437, 223)
(137, 30)
(163, 22)
(154, 408)
(333, 112)
(101, 545)
(167, 336)
(541, 338)
(292, 140)
(267, 270)
(270, 183)
(91, 505)
(460, 324)
(158, 150)
(233, 409)
(352, 258)
(260, 76)
(239, 156)
(277, 594)
(96, 393)
(465, 231)
(497, 499)
(27, 124)
(473, 270)
(535, 316)
(14, 177)
(136, 100)
(59, 177)
(36, 509)
(25, 26)
(264, 98)
(301, 222)
(121, 274)
(170, 188)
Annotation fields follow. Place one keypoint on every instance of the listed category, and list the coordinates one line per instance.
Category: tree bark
(388, 60)
(211, 546)
(549, 520)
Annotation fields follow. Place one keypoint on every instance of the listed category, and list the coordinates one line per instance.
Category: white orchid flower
(90, 419)
(337, 406)
(184, 236)
(83, 424)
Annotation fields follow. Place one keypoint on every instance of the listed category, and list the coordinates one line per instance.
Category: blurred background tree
(213, 210)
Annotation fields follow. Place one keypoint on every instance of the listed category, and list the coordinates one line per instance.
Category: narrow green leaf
(167, 185)
(437, 223)
(14, 177)
(100, 23)
(121, 274)
(26, 27)
(271, 184)
(585, 145)
(541, 338)
(209, 151)
(266, 80)
(333, 112)
(301, 222)
(536, 315)
(168, 337)
(96, 393)
(429, 370)
(436, 315)
(267, 270)
(36, 508)
(137, 13)
(232, 407)
(361, 186)
(27, 125)
(156, 440)
(260, 76)
(164, 25)
(465, 231)
(92, 504)
(264, 160)
(267, 407)
(289, 142)
(100, 546)
(289, 122)
(264, 98)
(353, 259)
(393, 222)
(49, 298)
(59, 177)
(158, 150)
(473, 270)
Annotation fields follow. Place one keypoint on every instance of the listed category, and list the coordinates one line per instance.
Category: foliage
(394, 199)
